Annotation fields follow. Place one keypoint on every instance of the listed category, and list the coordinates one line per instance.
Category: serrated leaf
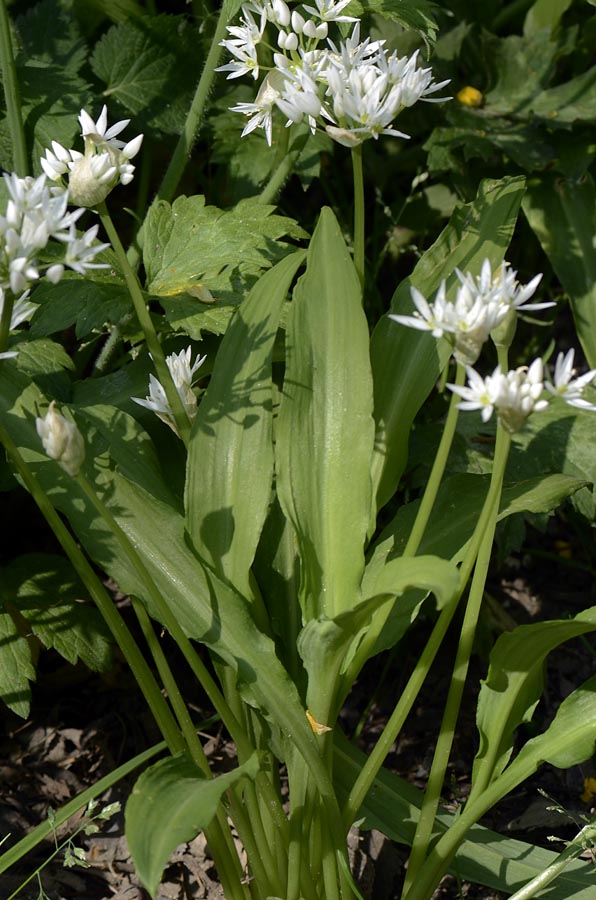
(48, 34)
(170, 804)
(417, 14)
(87, 303)
(190, 244)
(46, 592)
(16, 667)
(151, 66)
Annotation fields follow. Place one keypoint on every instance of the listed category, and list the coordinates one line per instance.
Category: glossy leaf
(545, 14)
(170, 804)
(139, 499)
(327, 646)
(190, 246)
(562, 214)
(513, 687)
(226, 504)
(324, 436)
(16, 667)
(485, 857)
(406, 363)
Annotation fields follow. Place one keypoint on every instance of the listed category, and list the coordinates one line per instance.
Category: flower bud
(61, 440)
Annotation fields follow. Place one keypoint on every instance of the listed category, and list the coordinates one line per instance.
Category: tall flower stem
(181, 154)
(460, 669)
(12, 95)
(288, 156)
(153, 344)
(167, 617)
(375, 760)
(358, 211)
(438, 469)
(125, 641)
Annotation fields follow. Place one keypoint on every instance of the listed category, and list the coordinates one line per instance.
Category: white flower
(568, 388)
(329, 11)
(514, 395)
(261, 111)
(36, 213)
(481, 305)
(22, 309)
(104, 164)
(61, 440)
(182, 374)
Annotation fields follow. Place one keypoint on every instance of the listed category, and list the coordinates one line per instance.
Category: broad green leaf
(513, 687)
(416, 14)
(47, 594)
(230, 457)
(207, 608)
(485, 857)
(568, 741)
(170, 804)
(521, 66)
(568, 102)
(324, 434)
(50, 55)
(327, 646)
(545, 14)
(406, 363)
(16, 667)
(49, 34)
(451, 526)
(456, 512)
(190, 246)
(151, 65)
(562, 214)
(88, 304)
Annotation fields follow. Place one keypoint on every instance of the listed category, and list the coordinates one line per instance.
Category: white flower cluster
(516, 394)
(182, 373)
(104, 164)
(353, 89)
(36, 213)
(481, 305)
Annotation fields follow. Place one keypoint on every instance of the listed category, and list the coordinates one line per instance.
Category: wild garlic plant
(272, 556)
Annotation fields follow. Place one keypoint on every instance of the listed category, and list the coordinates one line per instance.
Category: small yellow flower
(589, 792)
(470, 96)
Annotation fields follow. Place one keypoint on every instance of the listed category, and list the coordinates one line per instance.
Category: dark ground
(83, 725)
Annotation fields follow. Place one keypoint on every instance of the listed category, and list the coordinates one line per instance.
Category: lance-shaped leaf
(485, 857)
(206, 607)
(407, 363)
(513, 688)
(170, 804)
(562, 214)
(325, 429)
(327, 646)
(230, 457)
(568, 741)
(452, 524)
